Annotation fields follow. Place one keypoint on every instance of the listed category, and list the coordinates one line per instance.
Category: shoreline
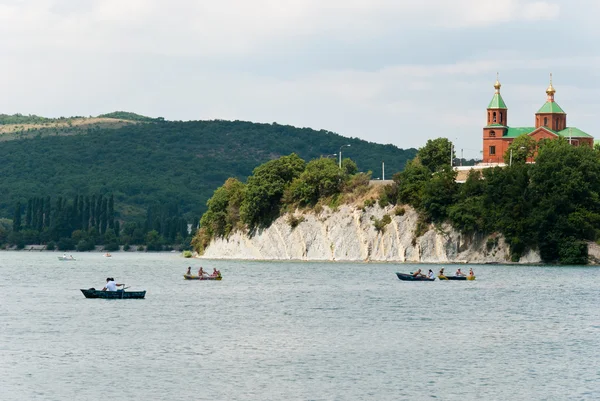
(42, 248)
(134, 249)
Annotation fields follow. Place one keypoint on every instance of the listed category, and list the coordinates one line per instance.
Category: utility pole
(340, 154)
(382, 171)
(461, 157)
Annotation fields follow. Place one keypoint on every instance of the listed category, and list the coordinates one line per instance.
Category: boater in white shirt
(110, 285)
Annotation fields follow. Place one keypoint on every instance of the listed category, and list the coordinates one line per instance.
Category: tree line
(84, 222)
(552, 205)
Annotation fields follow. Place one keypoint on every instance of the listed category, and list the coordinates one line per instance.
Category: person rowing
(189, 271)
(441, 274)
(111, 285)
(418, 274)
(459, 273)
(431, 275)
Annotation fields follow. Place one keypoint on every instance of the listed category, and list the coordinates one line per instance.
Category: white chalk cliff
(348, 234)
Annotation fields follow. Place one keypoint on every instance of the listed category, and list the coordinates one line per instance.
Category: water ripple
(300, 331)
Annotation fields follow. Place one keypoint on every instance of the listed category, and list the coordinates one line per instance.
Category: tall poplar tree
(111, 212)
(93, 221)
(85, 220)
(99, 212)
(28, 213)
(40, 215)
(80, 222)
(103, 215)
(17, 218)
(47, 211)
(34, 213)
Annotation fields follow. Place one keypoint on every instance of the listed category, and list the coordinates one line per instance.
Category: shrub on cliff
(223, 212)
(265, 188)
(439, 193)
(293, 221)
(380, 224)
(321, 178)
(410, 183)
(357, 184)
(435, 154)
(388, 194)
(399, 211)
(349, 167)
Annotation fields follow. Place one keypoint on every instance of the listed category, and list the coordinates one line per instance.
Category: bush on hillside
(380, 224)
(66, 244)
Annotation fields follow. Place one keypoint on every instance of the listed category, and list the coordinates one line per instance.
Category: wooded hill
(144, 161)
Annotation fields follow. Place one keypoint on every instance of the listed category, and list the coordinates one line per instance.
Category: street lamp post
(340, 154)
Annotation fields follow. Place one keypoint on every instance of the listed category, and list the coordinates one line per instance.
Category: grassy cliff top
(19, 126)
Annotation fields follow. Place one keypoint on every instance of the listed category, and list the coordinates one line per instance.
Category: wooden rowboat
(462, 278)
(192, 277)
(119, 294)
(410, 277)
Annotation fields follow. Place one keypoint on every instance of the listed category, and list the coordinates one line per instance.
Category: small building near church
(550, 122)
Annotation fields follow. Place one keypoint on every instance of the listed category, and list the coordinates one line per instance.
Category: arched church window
(494, 120)
(492, 150)
(501, 117)
(492, 133)
(545, 121)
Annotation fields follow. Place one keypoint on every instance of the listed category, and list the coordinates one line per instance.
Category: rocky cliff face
(348, 234)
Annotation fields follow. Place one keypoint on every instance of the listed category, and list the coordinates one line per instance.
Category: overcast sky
(388, 71)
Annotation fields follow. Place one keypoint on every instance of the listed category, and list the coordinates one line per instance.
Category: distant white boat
(66, 258)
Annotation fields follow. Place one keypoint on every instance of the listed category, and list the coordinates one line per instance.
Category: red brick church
(550, 122)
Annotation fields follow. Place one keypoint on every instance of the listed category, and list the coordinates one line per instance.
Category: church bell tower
(495, 128)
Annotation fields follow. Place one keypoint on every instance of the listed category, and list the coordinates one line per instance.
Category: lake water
(294, 331)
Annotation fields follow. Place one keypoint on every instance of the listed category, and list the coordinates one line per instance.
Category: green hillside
(144, 163)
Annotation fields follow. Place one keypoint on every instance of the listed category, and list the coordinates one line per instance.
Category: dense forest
(552, 205)
(157, 174)
(162, 162)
